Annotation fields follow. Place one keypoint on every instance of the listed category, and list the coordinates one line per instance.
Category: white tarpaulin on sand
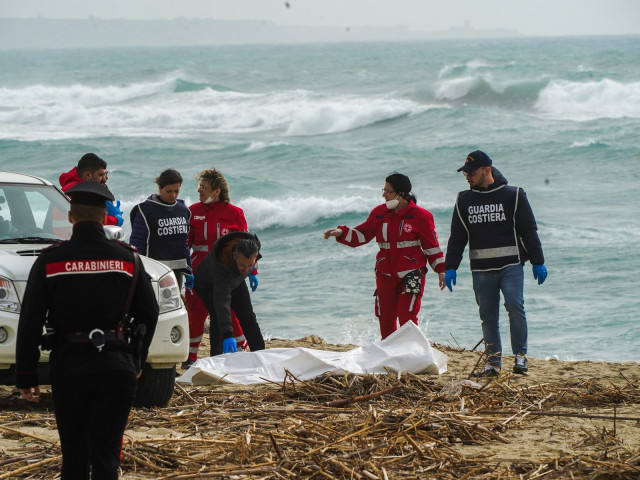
(406, 350)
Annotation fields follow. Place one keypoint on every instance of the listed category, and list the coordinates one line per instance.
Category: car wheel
(155, 387)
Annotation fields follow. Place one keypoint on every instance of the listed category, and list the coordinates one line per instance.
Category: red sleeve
(430, 243)
(110, 220)
(190, 232)
(363, 233)
(242, 225)
(242, 221)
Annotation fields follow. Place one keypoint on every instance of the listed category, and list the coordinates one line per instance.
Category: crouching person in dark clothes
(220, 284)
(82, 289)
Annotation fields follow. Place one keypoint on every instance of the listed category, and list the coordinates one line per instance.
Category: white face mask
(392, 204)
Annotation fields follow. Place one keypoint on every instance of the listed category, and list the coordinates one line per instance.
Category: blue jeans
(487, 287)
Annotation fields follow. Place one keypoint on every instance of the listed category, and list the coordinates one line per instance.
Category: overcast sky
(529, 17)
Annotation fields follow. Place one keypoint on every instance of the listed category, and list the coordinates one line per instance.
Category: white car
(33, 215)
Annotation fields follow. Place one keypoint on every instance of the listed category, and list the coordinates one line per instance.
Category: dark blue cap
(474, 161)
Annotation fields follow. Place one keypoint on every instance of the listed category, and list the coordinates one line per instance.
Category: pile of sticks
(351, 427)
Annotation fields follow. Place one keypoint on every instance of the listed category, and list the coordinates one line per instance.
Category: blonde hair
(215, 179)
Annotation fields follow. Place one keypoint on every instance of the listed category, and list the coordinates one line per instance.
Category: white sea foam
(457, 88)
(300, 212)
(586, 143)
(590, 100)
(487, 88)
(157, 109)
(315, 115)
(452, 69)
(257, 146)
(78, 95)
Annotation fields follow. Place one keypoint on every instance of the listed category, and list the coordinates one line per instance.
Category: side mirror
(114, 232)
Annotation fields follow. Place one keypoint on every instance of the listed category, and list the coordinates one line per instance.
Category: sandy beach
(562, 420)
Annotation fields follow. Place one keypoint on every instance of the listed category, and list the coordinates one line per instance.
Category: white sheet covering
(406, 350)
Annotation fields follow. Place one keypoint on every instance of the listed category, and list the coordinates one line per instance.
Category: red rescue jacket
(71, 178)
(407, 239)
(209, 222)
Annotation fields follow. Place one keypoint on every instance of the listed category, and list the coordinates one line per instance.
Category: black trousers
(92, 413)
(241, 304)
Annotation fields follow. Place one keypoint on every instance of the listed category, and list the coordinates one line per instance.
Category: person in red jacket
(211, 218)
(408, 240)
(92, 168)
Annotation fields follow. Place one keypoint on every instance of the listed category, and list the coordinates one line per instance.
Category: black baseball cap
(474, 161)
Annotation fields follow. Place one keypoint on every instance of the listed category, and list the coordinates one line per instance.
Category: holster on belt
(49, 340)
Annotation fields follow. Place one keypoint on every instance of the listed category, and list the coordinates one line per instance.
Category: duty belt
(97, 338)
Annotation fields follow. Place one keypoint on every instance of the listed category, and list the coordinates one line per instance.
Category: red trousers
(393, 305)
(197, 317)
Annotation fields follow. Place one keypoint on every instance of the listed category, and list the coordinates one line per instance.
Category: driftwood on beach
(361, 427)
(349, 427)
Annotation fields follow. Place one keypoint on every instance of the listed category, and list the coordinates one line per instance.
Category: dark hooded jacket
(499, 225)
(217, 275)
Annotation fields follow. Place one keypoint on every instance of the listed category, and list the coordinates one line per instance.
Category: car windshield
(33, 214)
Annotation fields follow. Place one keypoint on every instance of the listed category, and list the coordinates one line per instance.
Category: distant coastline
(94, 32)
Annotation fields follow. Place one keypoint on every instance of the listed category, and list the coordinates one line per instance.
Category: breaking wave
(590, 100)
(178, 107)
(298, 212)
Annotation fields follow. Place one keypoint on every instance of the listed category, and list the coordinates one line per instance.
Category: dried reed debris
(360, 427)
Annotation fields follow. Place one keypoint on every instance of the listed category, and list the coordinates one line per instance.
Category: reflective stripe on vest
(359, 235)
(438, 261)
(175, 264)
(403, 273)
(200, 248)
(408, 243)
(498, 252)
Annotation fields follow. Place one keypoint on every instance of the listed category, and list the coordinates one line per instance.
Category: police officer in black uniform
(80, 289)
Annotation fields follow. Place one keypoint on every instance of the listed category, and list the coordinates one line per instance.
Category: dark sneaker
(521, 364)
(489, 371)
(187, 364)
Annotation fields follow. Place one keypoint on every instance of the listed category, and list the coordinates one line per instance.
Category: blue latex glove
(188, 282)
(540, 273)
(229, 345)
(114, 211)
(450, 279)
(253, 282)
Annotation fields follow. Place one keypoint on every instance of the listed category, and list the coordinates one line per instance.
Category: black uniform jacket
(499, 225)
(217, 275)
(77, 286)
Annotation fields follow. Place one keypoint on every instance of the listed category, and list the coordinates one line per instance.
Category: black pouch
(412, 282)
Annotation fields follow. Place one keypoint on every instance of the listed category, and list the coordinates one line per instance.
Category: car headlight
(8, 296)
(168, 293)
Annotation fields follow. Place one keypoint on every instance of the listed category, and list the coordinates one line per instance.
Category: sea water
(306, 134)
